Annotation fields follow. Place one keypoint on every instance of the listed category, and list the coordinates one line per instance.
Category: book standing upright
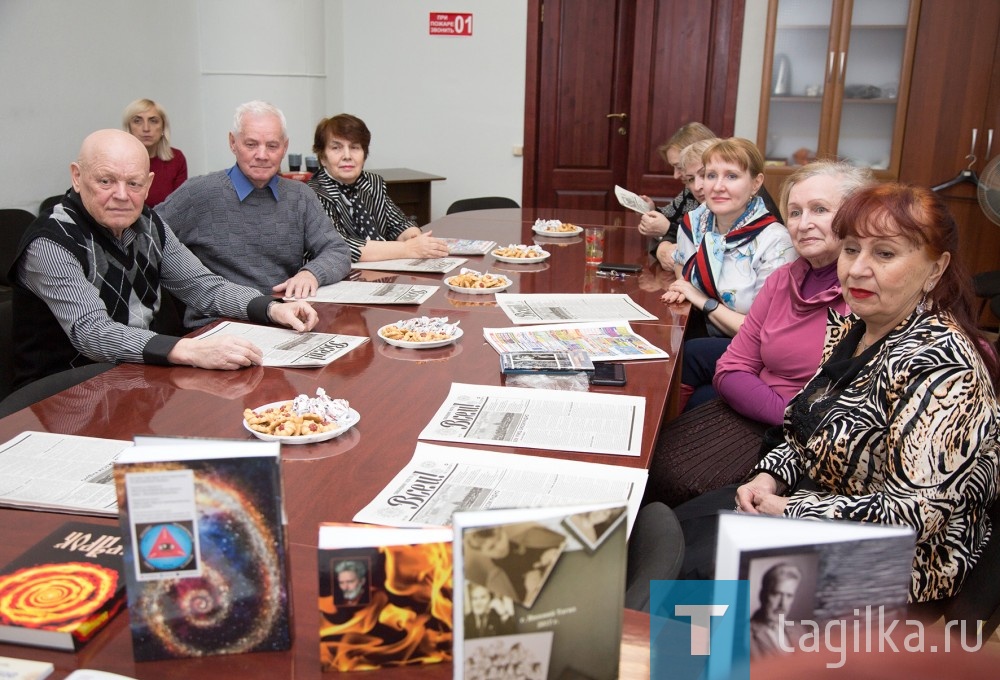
(539, 592)
(206, 553)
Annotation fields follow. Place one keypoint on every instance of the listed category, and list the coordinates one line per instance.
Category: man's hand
(224, 352)
(302, 285)
(298, 315)
(424, 246)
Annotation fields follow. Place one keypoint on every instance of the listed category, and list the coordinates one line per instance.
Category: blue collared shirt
(244, 186)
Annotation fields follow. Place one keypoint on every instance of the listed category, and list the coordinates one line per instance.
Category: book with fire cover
(385, 596)
(64, 589)
(540, 592)
(205, 547)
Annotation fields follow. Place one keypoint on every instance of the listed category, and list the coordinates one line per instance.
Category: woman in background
(147, 121)
(692, 169)
(661, 223)
(358, 202)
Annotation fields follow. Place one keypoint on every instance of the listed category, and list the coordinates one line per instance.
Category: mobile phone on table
(607, 374)
(619, 267)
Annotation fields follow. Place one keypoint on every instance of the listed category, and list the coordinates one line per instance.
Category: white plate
(353, 417)
(419, 345)
(556, 234)
(522, 260)
(480, 291)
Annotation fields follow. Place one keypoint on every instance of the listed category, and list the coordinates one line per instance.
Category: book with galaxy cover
(63, 590)
(540, 592)
(205, 548)
(385, 596)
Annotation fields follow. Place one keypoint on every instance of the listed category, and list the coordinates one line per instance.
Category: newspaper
(467, 246)
(284, 347)
(602, 341)
(532, 308)
(373, 293)
(65, 473)
(433, 265)
(631, 201)
(554, 420)
(441, 480)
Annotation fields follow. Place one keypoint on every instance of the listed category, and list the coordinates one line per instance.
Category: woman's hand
(760, 496)
(425, 246)
(653, 223)
(665, 254)
(681, 291)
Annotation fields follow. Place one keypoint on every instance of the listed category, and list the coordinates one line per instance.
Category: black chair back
(483, 203)
(13, 223)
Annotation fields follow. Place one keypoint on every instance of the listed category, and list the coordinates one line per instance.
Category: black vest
(41, 347)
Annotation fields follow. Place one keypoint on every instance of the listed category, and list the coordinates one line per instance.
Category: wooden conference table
(396, 391)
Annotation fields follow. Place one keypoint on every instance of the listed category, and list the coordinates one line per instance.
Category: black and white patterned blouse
(906, 434)
(361, 211)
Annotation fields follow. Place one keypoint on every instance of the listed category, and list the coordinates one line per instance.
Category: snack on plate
(519, 250)
(302, 416)
(469, 278)
(555, 225)
(422, 329)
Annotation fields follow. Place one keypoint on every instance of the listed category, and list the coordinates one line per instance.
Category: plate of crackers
(474, 283)
(555, 228)
(303, 420)
(421, 333)
(520, 254)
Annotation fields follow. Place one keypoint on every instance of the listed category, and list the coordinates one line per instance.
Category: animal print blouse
(907, 435)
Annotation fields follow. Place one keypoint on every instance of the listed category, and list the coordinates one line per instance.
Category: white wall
(71, 66)
(448, 105)
(453, 106)
(751, 69)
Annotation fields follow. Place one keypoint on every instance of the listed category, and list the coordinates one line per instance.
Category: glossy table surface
(395, 390)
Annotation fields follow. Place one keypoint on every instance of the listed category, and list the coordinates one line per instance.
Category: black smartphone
(607, 374)
(619, 267)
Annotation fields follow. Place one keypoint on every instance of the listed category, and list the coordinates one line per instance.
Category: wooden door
(954, 90)
(609, 81)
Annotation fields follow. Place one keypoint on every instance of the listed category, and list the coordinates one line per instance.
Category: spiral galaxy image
(55, 596)
(239, 601)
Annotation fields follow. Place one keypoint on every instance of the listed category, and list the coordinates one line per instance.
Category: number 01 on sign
(449, 23)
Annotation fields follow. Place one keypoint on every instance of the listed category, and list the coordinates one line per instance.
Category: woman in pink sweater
(775, 352)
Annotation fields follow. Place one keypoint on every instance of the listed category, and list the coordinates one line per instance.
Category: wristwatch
(711, 304)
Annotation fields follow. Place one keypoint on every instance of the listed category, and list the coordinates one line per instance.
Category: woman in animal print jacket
(900, 423)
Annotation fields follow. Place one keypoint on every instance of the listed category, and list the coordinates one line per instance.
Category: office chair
(986, 286)
(13, 223)
(482, 203)
(655, 553)
(47, 205)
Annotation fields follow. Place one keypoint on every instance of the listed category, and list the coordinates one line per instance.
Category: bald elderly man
(88, 278)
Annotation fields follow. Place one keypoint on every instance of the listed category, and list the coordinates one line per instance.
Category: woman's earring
(922, 306)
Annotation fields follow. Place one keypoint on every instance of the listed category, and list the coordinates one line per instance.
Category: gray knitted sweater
(259, 242)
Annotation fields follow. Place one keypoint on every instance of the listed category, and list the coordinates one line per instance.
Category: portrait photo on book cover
(591, 528)
(487, 614)
(352, 581)
(512, 560)
(524, 656)
(782, 592)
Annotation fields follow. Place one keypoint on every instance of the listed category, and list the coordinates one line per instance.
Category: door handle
(622, 116)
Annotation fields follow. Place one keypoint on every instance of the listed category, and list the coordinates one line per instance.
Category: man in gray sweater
(253, 227)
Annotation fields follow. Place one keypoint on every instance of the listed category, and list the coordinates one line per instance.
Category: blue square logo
(699, 630)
